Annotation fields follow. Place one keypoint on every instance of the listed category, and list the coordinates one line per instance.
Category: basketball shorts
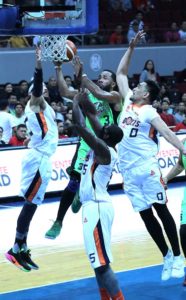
(144, 185)
(78, 159)
(183, 209)
(97, 221)
(36, 174)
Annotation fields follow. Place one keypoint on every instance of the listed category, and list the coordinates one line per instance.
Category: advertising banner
(10, 167)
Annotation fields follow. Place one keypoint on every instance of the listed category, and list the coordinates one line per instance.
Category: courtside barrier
(11, 157)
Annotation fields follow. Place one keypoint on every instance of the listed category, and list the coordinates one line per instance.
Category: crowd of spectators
(171, 104)
(13, 99)
(164, 21)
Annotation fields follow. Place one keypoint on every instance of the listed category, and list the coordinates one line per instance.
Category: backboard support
(45, 19)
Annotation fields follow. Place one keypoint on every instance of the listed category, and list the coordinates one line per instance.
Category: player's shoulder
(149, 108)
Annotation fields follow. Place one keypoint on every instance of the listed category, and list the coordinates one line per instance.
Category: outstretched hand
(78, 66)
(83, 99)
(38, 53)
(57, 63)
(77, 98)
(78, 71)
(87, 106)
(136, 39)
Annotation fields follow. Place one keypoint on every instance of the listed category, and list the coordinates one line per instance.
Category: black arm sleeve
(38, 83)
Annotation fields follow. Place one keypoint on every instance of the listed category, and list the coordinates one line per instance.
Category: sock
(16, 248)
(107, 279)
(104, 294)
(23, 223)
(118, 296)
(24, 247)
(168, 255)
(19, 246)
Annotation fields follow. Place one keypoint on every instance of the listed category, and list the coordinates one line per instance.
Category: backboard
(48, 17)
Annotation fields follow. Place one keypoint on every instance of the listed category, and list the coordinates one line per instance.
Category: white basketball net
(53, 47)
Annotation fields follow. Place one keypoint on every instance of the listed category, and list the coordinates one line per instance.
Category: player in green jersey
(176, 170)
(102, 94)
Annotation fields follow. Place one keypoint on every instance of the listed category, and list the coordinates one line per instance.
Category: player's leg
(108, 283)
(83, 150)
(76, 204)
(154, 192)
(140, 183)
(171, 231)
(169, 226)
(14, 255)
(68, 193)
(66, 200)
(153, 227)
(183, 224)
(134, 180)
(35, 178)
(183, 227)
(97, 222)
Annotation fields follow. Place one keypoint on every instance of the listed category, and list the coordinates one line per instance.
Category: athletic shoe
(167, 267)
(26, 256)
(76, 204)
(178, 267)
(54, 231)
(16, 259)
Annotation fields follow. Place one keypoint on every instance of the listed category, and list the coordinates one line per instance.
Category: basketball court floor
(64, 269)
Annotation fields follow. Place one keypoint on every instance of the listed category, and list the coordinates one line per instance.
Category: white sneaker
(178, 267)
(167, 267)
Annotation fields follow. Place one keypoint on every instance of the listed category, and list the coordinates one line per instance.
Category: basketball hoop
(53, 47)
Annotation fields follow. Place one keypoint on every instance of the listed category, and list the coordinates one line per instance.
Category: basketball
(71, 50)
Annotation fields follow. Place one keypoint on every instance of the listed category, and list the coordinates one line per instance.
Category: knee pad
(73, 185)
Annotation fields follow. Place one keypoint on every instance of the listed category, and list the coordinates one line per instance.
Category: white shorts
(97, 221)
(36, 174)
(144, 186)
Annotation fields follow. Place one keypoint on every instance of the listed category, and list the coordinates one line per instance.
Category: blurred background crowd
(164, 21)
(171, 104)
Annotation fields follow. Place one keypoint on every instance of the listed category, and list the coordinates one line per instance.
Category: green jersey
(105, 117)
(105, 114)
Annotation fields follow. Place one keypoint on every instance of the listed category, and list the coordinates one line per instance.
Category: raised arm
(91, 113)
(99, 147)
(111, 97)
(176, 170)
(37, 100)
(122, 71)
(62, 86)
(171, 137)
